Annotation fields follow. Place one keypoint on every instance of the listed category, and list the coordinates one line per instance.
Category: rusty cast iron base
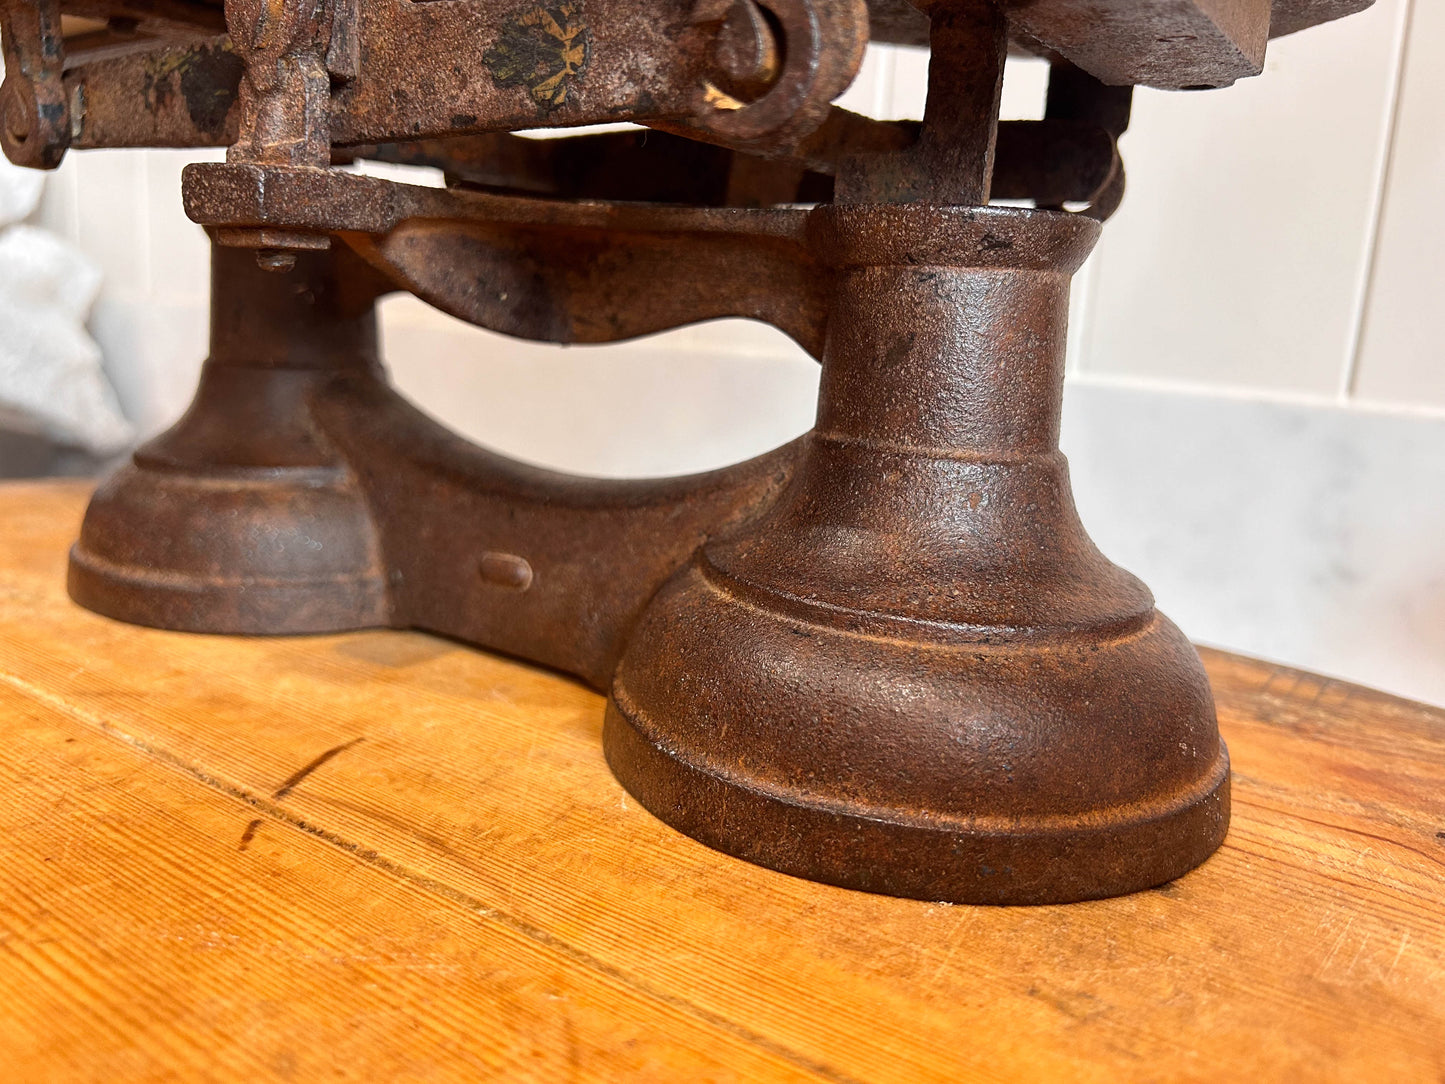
(914, 673)
(300, 493)
(886, 656)
(242, 518)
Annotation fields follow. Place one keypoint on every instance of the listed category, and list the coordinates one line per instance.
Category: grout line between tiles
(1365, 288)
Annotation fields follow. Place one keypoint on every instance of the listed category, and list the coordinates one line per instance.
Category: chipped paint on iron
(545, 49)
(208, 78)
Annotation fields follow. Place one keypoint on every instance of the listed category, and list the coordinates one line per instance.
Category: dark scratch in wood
(1335, 826)
(1325, 686)
(476, 905)
(250, 833)
(291, 783)
(1274, 673)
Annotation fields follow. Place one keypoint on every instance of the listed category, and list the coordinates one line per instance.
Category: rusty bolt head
(16, 113)
(746, 50)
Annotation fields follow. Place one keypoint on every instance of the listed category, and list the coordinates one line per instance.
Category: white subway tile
(909, 86)
(866, 93)
(153, 352)
(59, 210)
(113, 217)
(623, 409)
(1401, 358)
(1239, 254)
(180, 259)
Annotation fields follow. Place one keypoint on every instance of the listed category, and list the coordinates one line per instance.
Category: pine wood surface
(386, 856)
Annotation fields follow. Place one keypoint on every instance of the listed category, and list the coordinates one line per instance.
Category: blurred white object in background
(51, 377)
(19, 191)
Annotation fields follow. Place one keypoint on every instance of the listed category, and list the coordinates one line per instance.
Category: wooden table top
(383, 855)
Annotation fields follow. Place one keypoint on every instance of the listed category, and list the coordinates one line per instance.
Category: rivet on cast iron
(506, 570)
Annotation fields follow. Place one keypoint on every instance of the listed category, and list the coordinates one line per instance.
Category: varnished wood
(383, 855)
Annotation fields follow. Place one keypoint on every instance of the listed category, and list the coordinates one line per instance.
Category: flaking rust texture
(885, 656)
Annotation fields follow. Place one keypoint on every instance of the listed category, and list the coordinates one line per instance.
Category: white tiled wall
(1400, 358)
(1239, 255)
(1256, 414)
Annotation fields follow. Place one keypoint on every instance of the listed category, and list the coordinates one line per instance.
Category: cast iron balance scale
(884, 656)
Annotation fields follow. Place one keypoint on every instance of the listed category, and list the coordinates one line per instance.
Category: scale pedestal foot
(915, 674)
(241, 518)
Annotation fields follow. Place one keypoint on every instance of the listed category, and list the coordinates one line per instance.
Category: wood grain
(384, 855)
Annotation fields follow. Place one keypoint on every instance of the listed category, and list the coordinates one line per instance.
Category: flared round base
(1035, 769)
(247, 552)
(938, 858)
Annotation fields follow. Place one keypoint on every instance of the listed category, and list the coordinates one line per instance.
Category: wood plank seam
(156, 951)
(1332, 826)
(465, 901)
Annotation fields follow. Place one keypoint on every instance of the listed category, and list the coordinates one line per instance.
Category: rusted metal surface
(1184, 45)
(401, 70)
(914, 673)
(886, 656)
(301, 494)
(240, 518)
(910, 573)
(176, 95)
(34, 107)
(952, 160)
(900, 22)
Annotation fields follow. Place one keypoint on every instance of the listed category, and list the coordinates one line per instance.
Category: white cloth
(19, 191)
(50, 367)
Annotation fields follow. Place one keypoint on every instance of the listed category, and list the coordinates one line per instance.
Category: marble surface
(1303, 534)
